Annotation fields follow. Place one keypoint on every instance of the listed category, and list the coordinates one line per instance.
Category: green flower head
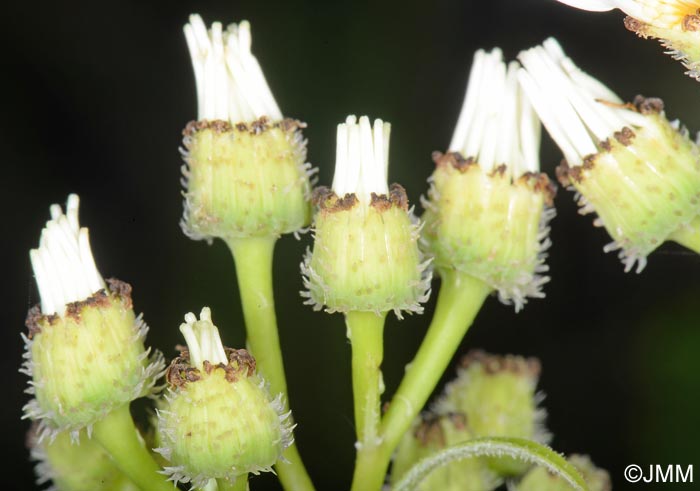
(365, 255)
(245, 172)
(218, 420)
(85, 347)
(489, 206)
(636, 170)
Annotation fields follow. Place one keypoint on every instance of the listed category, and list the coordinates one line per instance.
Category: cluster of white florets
(63, 265)
(497, 124)
(498, 128)
(580, 113)
(230, 83)
(362, 158)
(578, 110)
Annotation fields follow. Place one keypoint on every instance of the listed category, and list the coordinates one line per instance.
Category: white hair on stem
(497, 124)
(63, 265)
(362, 158)
(230, 83)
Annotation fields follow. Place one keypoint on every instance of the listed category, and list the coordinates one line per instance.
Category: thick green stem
(253, 258)
(240, 484)
(120, 438)
(688, 236)
(366, 334)
(370, 469)
(459, 300)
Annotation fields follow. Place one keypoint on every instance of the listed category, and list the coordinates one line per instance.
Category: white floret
(63, 265)
(230, 83)
(362, 158)
(496, 124)
(203, 340)
(578, 111)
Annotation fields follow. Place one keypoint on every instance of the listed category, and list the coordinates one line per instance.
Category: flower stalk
(240, 484)
(117, 434)
(488, 186)
(254, 259)
(247, 183)
(365, 332)
(365, 262)
(459, 300)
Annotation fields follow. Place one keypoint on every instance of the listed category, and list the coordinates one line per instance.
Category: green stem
(516, 448)
(688, 236)
(366, 334)
(253, 258)
(459, 300)
(240, 484)
(120, 438)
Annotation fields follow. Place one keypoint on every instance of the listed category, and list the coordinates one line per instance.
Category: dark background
(96, 94)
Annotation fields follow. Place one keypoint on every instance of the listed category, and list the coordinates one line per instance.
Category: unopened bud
(497, 396)
(433, 433)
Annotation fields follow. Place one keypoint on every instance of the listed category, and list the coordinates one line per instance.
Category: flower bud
(628, 163)
(431, 434)
(365, 255)
(675, 23)
(85, 349)
(497, 396)
(245, 173)
(489, 205)
(218, 420)
(539, 479)
(75, 467)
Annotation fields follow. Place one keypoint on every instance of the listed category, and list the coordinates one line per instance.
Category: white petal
(63, 265)
(362, 158)
(230, 82)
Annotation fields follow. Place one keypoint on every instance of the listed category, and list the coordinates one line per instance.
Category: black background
(95, 95)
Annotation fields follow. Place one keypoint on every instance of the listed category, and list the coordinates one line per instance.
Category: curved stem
(117, 434)
(459, 300)
(366, 335)
(253, 258)
(688, 236)
(516, 448)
